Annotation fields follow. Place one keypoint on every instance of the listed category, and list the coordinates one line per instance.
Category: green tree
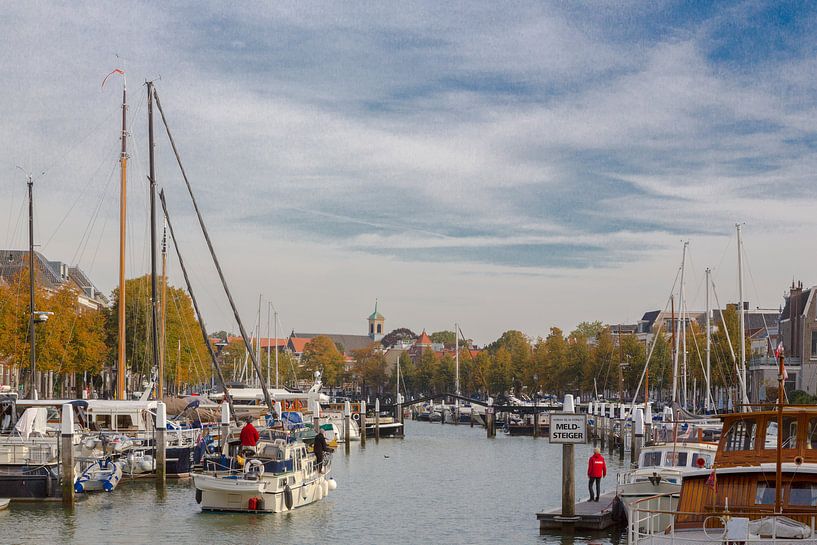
(500, 376)
(448, 338)
(588, 330)
(425, 371)
(397, 335)
(443, 376)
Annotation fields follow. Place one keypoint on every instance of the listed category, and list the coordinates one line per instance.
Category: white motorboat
(4, 503)
(281, 477)
(100, 475)
(661, 470)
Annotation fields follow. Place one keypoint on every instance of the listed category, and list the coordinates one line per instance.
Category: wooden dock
(589, 516)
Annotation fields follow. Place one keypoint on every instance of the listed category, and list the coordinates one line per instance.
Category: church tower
(376, 321)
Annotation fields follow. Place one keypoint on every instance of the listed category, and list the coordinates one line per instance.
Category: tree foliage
(397, 335)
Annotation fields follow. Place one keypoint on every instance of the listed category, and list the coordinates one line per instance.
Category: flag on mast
(778, 353)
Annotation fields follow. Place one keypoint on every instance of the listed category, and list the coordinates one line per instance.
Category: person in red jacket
(596, 469)
(249, 435)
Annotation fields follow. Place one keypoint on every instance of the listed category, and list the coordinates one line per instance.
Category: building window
(371, 329)
(814, 344)
(379, 329)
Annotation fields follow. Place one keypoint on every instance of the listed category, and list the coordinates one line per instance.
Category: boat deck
(588, 515)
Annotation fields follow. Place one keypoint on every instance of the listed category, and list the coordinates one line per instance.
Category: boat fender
(252, 504)
(107, 486)
(198, 496)
(325, 486)
(78, 488)
(320, 491)
(288, 497)
(333, 484)
(259, 505)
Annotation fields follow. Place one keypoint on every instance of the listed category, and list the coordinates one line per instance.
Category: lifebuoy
(356, 417)
(288, 497)
(254, 466)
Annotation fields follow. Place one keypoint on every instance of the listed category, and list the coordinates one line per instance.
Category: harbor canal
(442, 484)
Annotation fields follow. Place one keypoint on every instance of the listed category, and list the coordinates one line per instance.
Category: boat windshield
(811, 441)
(789, 433)
(676, 459)
(651, 459)
(741, 435)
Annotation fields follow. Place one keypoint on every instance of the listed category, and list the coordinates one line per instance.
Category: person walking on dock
(596, 469)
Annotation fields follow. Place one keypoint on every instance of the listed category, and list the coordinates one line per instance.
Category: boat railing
(654, 520)
(26, 453)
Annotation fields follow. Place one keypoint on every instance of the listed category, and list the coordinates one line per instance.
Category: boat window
(651, 459)
(103, 421)
(676, 459)
(803, 494)
(700, 456)
(741, 435)
(811, 441)
(123, 421)
(789, 433)
(765, 493)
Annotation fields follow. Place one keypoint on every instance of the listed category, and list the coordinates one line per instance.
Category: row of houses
(794, 325)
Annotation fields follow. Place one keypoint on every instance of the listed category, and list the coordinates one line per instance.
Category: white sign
(568, 428)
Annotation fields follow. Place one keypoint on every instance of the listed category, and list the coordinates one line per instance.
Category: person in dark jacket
(320, 447)
(596, 469)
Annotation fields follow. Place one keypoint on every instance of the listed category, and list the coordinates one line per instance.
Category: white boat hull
(221, 494)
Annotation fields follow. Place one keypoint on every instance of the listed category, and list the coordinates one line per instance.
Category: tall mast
(457, 356)
(685, 374)
(32, 353)
(123, 191)
(707, 405)
(162, 322)
(269, 377)
(154, 299)
(678, 327)
(260, 376)
(275, 325)
(742, 318)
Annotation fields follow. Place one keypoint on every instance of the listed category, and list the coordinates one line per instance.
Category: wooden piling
(362, 420)
(377, 420)
(535, 422)
(225, 427)
(67, 454)
(161, 443)
(347, 427)
(490, 421)
(568, 471)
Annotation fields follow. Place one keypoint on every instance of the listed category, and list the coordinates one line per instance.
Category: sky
(498, 165)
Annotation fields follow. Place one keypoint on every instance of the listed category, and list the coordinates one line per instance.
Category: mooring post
(316, 416)
(225, 427)
(535, 421)
(490, 417)
(362, 412)
(568, 469)
(602, 424)
(622, 408)
(647, 422)
(638, 435)
(67, 454)
(400, 410)
(377, 420)
(161, 442)
(347, 426)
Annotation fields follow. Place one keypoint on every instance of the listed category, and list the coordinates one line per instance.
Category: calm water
(442, 484)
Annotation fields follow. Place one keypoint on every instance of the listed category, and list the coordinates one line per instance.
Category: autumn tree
(370, 369)
(445, 337)
(321, 354)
